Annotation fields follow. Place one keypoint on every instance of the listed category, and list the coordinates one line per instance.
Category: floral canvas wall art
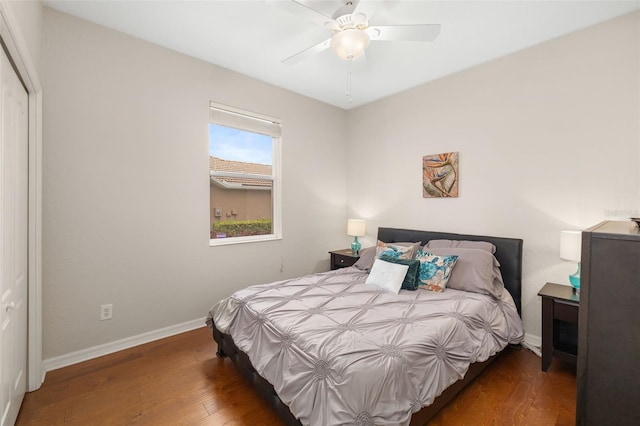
(440, 175)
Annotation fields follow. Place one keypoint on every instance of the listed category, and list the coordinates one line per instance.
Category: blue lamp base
(575, 279)
(355, 245)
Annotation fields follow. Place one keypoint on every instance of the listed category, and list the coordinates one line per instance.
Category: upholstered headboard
(508, 252)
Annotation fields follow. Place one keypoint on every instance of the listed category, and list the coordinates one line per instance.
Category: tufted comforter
(338, 351)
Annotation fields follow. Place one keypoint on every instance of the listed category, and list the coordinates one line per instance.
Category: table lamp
(570, 249)
(356, 228)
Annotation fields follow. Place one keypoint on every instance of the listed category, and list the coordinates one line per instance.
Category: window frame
(276, 168)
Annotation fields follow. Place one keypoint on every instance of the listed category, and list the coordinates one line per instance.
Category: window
(244, 176)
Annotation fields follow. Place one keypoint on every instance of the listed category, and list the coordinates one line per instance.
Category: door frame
(19, 55)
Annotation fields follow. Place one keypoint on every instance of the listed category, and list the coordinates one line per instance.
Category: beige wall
(548, 139)
(126, 192)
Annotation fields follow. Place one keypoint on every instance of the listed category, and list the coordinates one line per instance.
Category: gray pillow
(481, 245)
(476, 270)
(367, 256)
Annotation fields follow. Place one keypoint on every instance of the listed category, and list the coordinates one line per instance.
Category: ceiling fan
(351, 30)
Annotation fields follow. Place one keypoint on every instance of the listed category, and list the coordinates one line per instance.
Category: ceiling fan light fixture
(350, 43)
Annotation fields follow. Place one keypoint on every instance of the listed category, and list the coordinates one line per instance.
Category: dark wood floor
(180, 381)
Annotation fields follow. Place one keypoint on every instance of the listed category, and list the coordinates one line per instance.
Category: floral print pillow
(397, 251)
(434, 270)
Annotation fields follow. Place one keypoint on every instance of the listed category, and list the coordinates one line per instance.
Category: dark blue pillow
(412, 279)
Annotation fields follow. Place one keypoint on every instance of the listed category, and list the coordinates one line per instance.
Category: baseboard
(118, 345)
(533, 343)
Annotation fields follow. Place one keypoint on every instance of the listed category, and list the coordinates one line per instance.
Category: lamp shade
(356, 227)
(571, 245)
(350, 43)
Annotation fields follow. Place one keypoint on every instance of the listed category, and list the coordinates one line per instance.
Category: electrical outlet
(106, 312)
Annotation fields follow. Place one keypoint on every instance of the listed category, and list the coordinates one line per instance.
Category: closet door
(13, 241)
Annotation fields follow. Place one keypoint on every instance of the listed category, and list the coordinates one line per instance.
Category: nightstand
(560, 308)
(343, 258)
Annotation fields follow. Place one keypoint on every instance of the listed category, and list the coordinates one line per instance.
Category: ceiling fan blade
(301, 10)
(349, 7)
(423, 32)
(307, 52)
(368, 8)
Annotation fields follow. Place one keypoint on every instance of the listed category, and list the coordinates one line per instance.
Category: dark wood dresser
(608, 372)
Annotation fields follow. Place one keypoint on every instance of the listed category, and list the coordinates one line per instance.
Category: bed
(329, 349)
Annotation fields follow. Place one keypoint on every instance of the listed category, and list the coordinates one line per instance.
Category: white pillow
(387, 276)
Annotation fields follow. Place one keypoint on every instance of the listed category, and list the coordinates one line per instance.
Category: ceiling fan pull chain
(349, 81)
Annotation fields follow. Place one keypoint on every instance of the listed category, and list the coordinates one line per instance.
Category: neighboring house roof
(227, 166)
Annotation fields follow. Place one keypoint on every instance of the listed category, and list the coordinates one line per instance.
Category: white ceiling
(253, 37)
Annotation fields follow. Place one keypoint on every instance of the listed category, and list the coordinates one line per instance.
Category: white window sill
(242, 240)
